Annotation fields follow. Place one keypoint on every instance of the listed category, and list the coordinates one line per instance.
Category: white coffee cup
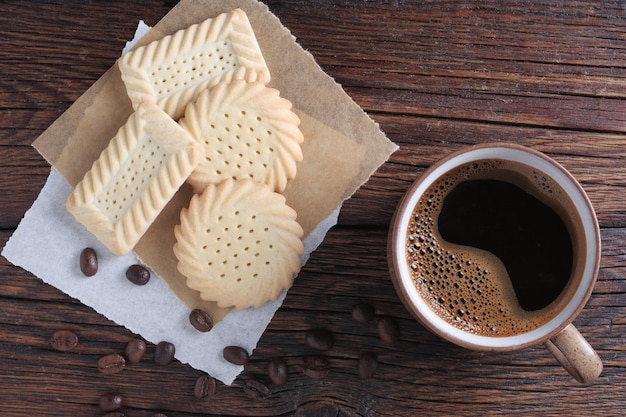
(558, 334)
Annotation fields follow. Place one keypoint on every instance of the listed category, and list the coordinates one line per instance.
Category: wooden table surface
(436, 76)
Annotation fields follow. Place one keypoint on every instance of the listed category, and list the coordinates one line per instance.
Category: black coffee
(488, 247)
(524, 233)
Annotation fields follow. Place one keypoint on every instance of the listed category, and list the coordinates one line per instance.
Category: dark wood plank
(432, 373)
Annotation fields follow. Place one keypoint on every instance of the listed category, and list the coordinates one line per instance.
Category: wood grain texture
(436, 76)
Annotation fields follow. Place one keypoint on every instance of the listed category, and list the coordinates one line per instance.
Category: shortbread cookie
(248, 131)
(172, 71)
(238, 244)
(141, 169)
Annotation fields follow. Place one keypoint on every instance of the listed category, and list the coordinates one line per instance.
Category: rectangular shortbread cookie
(141, 169)
(172, 71)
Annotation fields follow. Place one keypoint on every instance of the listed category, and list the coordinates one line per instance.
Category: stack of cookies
(203, 114)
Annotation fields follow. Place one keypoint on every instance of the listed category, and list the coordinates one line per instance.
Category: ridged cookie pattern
(172, 71)
(238, 244)
(248, 131)
(134, 177)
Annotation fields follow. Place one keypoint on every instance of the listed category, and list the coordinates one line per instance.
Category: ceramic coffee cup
(497, 248)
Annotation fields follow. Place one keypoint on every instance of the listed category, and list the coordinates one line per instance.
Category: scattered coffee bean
(111, 401)
(363, 312)
(64, 340)
(138, 274)
(135, 349)
(200, 320)
(256, 390)
(164, 353)
(158, 415)
(315, 366)
(277, 371)
(368, 362)
(205, 387)
(115, 414)
(88, 262)
(320, 339)
(236, 355)
(388, 330)
(111, 363)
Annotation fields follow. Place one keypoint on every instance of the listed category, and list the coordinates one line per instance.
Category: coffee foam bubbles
(469, 287)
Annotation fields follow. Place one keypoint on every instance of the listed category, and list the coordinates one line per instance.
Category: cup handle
(576, 355)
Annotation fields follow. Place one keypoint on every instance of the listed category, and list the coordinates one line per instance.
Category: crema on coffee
(490, 247)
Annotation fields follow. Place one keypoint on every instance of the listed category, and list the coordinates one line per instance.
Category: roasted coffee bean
(88, 262)
(158, 415)
(138, 274)
(111, 401)
(164, 353)
(205, 387)
(368, 362)
(256, 390)
(115, 414)
(277, 371)
(236, 355)
(315, 366)
(111, 363)
(363, 312)
(388, 330)
(135, 349)
(320, 339)
(64, 340)
(200, 320)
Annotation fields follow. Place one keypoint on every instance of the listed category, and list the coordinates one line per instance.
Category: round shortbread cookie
(238, 244)
(248, 131)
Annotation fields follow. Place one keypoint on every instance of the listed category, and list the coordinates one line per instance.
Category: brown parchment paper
(342, 145)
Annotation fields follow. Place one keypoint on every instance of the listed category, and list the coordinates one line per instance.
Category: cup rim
(401, 276)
